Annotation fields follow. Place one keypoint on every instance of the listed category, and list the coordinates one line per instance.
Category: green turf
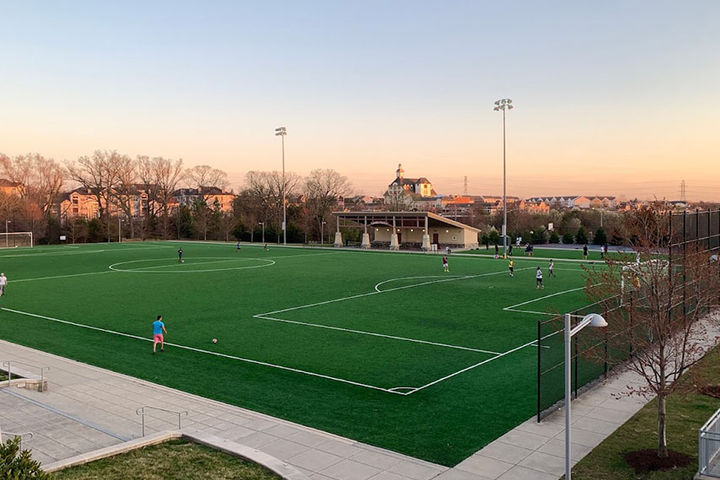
(426, 325)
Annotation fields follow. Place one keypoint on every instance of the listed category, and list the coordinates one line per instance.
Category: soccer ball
(214, 340)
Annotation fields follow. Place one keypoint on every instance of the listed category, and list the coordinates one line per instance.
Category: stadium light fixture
(281, 132)
(593, 320)
(504, 104)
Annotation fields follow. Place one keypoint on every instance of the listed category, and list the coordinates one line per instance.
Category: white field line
(434, 382)
(446, 277)
(267, 315)
(512, 308)
(61, 276)
(193, 262)
(63, 254)
(376, 292)
(208, 352)
(392, 337)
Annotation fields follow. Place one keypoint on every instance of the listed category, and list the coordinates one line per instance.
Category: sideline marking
(60, 276)
(404, 391)
(200, 350)
(64, 254)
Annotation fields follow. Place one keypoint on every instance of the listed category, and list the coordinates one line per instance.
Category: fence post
(575, 362)
(709, 247)
(539, 370)
(684, 239)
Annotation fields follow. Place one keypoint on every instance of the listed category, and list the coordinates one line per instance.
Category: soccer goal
(16, 239)
(635, 275)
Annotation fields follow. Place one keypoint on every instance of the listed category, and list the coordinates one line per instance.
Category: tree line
(136, 199)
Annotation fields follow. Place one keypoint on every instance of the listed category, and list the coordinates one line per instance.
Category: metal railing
(709, 447)
(8, 368)
(141, 411)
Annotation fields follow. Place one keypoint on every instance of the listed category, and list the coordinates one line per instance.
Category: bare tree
(323, 188)
(653, 308)
(125, 190)
(205, 179)
(38, 181)
(265, 192)
(205, 176)
(167, 175)
(99, 175)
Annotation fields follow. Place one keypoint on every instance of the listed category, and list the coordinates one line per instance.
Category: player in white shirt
(538, 279)
(3, 283)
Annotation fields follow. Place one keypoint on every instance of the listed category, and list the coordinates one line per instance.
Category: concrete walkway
(86, 408)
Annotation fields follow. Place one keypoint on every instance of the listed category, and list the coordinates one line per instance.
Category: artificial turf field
(381, 347)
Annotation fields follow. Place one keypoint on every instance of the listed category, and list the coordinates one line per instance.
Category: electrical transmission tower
(682, 191)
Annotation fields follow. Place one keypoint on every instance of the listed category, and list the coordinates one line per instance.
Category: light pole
(594, 320)
(7, 243)
(119, 229)
(322, 233)
(263, 232)
(281, 132)
(504, 104)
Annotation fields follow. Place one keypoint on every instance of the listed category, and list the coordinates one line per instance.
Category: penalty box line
(207, 352)
(267, 315)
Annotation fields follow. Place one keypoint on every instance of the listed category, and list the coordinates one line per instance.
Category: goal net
(636, 276)
(16, 239)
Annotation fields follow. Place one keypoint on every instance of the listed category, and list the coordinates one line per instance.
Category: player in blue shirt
(158, 331)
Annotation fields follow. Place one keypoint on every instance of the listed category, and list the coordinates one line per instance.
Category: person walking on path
(585, 252)
(158, 331)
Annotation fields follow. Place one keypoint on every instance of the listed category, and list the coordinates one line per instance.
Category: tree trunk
(662, 428)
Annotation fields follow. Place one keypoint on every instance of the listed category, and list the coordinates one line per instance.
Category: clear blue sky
(612, 97)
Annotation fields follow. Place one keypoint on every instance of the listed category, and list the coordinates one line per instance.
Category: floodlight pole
(281, 132)
(263, 231)
(504, 104)
(7, 242)
(594, 320)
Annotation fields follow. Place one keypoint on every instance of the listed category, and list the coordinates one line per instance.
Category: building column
(365, 238)
(426, 237)
(338, 236)
(393, 237)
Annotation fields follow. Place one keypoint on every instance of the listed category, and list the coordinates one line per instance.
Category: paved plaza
(86, 408)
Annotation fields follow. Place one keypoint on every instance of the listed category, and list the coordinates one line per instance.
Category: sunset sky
(618, 97)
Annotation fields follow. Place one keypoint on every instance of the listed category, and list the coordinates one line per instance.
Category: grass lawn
(176, 459)
(381, 347)
(686, 413)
